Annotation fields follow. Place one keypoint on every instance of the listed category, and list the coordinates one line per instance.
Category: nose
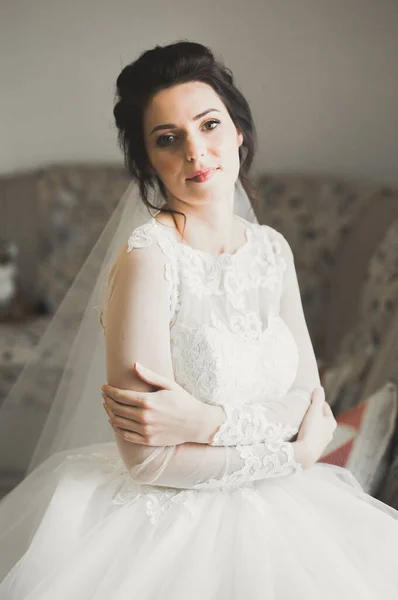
(194, 148)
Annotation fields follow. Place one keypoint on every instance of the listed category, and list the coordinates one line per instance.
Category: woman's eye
(163, 140)
(216, 121)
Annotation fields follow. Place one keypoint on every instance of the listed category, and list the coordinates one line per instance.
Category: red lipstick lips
(201, 176)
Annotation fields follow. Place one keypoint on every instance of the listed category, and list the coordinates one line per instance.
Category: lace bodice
(236, 337)
(227, 337)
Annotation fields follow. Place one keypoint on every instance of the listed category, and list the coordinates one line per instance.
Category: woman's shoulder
(267, 232)
(151, 233)
(140, 252)
(273, 240)
(144, 257)
(143, 235)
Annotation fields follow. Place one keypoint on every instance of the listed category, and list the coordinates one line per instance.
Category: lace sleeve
(281, 417)
(138, 319)
(199, 466)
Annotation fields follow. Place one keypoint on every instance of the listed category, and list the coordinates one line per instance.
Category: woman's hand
(167, 417)
(317, 428)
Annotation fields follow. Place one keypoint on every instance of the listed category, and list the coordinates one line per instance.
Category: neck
(210, 226)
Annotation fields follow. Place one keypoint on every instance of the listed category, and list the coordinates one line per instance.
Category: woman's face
(187, 128)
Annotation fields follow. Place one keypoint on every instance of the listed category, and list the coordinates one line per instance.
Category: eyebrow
(172, 126)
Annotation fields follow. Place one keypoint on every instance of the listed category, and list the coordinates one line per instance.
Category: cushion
(362, 437)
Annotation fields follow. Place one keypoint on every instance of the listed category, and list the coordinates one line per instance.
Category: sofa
(344, 238)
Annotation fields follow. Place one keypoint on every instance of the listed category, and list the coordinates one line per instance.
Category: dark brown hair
(163, 67)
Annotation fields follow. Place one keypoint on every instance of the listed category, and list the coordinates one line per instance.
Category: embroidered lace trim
(249, 425)
(261, 461)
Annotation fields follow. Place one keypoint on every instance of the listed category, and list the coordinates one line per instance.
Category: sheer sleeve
(136, 324)
(279, 416)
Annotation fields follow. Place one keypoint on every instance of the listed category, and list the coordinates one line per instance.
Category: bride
(210, 487)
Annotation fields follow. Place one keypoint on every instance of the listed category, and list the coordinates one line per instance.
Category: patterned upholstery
(377, 309)
(17, 344)
(316, 215)
(74, 203)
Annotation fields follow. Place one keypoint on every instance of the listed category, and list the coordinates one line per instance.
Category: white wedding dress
(237, 519)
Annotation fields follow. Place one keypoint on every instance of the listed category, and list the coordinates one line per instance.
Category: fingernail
(140, 367)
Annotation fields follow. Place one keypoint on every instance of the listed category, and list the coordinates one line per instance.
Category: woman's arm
(172, 416)
(137, 329)
(234, 425)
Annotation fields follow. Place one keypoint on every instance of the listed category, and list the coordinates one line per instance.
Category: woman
(217, 494)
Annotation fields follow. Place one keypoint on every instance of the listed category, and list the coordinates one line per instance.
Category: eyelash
(159, 143)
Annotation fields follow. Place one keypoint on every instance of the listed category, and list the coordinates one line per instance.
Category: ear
(240, 138)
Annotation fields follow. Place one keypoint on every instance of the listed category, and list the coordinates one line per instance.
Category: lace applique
(261, 461)
(110, 463)
(233, 275)
(249, 425)
(247, 326)
(157, 500)
(216, 365)
(140, 238)
(259, 464)
(160, 502)
(196, 360)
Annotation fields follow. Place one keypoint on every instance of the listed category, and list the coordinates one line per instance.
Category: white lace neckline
(223, 256)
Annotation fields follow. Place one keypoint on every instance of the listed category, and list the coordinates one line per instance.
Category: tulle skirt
(79, 528)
